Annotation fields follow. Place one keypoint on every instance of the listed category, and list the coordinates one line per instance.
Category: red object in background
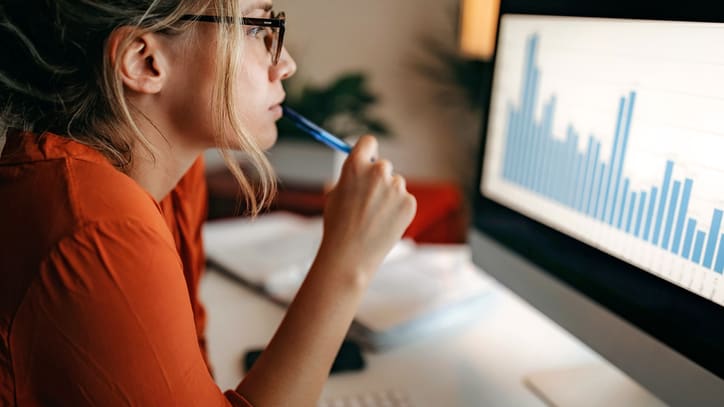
(440, 214)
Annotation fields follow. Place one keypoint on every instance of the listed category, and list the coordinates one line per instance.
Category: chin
(263, 138)
(267, 138)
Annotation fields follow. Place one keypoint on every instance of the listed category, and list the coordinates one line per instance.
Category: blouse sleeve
(109, 322)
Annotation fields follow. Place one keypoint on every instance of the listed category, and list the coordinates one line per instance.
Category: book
(419, 289)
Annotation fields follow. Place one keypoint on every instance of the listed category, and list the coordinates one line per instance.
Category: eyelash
(255, 31)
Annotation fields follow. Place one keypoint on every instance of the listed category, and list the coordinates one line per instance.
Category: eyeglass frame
(277, 21)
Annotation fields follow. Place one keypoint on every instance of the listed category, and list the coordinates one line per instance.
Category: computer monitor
(600, 194)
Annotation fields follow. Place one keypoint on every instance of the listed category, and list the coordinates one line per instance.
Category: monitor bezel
(676, 317)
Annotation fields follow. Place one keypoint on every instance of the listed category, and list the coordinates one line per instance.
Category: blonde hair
(62, 79)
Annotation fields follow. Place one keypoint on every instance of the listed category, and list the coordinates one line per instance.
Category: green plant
(458, 80)
(342, 107)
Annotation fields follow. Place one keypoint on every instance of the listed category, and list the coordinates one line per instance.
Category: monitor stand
(596, 384)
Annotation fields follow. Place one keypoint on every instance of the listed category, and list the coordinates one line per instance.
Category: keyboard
(389, 398)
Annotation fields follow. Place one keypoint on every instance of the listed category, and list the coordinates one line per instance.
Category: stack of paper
(418, 290)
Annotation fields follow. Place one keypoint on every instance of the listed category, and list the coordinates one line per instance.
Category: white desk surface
(480, 364)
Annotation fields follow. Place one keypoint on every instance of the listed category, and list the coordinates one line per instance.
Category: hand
(368, 210)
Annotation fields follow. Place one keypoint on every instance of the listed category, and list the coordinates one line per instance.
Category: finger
(383, 168)
(366, 150)
(399, 183)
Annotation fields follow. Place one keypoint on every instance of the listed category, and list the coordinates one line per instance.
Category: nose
(285, 67)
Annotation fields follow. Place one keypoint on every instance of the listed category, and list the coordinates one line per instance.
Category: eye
(256, 32)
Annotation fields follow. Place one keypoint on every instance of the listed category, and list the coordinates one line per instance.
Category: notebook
(418, 290)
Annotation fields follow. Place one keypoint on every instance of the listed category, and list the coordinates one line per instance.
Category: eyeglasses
(274, 26)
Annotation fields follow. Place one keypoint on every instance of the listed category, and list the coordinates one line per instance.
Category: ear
(141, 59)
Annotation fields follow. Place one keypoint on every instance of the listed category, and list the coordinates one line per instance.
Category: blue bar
(599, 190)
(541, 137)
(576, 190)
(618, 170)
(688, 185)
(527, 152)
(713, 234)
(509, 143)
(527, 101)
(521, 128)
(568, 169)
(539, 160)
(640, 216)
(547, 166)
(533, 156)
(515, 151)
(534, 129)
(690, 228)
(620, 211)
(719, 266)
(590, 205)
(649, 216)
(607, 204)
(558, 178)
(700, 236)
(662, 201)
(572, 170)
(563, 174)
(539, 154)
(515, 147)
(545, 138)
(588, 175)
(631, 210)
(555, 159)
(672, 212)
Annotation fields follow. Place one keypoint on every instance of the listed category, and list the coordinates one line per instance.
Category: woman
(107, 106)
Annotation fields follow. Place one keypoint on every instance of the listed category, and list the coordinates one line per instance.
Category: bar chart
(589, 184)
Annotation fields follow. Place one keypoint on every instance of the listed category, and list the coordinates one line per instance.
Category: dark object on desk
(349, 358)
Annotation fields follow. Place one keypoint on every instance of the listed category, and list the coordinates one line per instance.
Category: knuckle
(398, 182)
(383, 167)
(378, 170)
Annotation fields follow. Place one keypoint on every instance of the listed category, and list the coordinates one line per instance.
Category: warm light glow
(478, 25)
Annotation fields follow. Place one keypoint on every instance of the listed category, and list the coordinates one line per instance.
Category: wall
(430, 139)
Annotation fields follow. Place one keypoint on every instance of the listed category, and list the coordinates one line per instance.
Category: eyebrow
(264, 5)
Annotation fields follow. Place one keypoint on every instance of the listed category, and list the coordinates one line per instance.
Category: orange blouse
(98, 283)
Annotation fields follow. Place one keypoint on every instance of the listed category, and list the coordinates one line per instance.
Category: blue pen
(315, 131)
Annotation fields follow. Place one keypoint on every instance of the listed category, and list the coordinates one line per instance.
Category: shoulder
(56, 188)
(100, 192)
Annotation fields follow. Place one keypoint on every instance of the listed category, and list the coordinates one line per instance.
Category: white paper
(414, 281)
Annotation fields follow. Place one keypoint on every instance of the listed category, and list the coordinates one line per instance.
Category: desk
(481, 364)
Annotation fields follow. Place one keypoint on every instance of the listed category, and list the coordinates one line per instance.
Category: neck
(158, 173)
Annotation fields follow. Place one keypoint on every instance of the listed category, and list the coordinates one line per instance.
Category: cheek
(190, 97)
(253, 100)
(191, 110)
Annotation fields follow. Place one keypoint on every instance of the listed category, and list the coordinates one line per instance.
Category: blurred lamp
(478, 26)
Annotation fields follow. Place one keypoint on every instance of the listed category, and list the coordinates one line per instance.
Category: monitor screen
(612, 131)
(603, 162)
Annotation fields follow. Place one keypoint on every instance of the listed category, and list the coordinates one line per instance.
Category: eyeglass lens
(275, 42)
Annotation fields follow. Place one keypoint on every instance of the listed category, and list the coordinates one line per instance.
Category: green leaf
(341, 107)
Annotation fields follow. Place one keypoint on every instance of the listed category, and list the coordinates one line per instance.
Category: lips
(278, 103)
(276, 111)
